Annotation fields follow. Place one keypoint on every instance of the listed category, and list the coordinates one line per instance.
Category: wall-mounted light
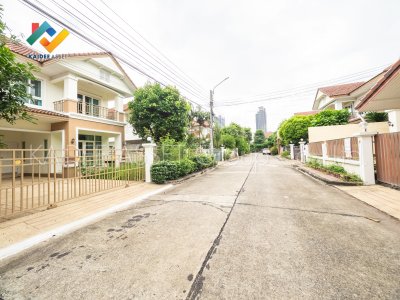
(72, 141)
(390, 124)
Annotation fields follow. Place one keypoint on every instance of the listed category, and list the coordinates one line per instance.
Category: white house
(72, 100)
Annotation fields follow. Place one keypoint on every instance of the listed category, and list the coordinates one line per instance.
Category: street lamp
(212, 116)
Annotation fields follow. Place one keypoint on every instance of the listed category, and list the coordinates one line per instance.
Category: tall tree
(159, 112)
(14, 81)
(259, 137)
(294, 129)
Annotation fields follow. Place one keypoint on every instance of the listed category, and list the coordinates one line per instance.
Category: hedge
(170, 170)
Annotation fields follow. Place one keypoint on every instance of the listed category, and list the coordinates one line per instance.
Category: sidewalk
(378, 196)
(383, 198)
(69, 215)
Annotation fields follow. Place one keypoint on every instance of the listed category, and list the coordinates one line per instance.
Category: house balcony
(79, 107)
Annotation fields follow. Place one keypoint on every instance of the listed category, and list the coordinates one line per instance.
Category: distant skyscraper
(261, 119)
(220, 120)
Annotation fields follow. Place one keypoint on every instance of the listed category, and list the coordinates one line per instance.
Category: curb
(193, 175)
(331, 182)
(68, 228)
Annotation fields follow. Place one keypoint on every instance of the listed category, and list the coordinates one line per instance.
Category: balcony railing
(88, 109)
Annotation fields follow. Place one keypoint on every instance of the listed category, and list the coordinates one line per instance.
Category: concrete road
(251, 229)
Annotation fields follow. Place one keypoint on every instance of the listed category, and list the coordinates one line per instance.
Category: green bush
(203, 161)
(164, 171)
(227, 154)
(274, 150)
(313, 163)
(335, 169)
(185, 167)
(285, 154)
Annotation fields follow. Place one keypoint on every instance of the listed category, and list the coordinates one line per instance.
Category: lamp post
(212, 116)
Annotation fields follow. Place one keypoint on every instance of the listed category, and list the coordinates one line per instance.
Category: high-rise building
(261, 119)
(220, 120)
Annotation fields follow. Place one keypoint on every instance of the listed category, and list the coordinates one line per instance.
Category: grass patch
(334, 170)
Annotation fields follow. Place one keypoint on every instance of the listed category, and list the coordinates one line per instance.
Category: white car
(265, 151)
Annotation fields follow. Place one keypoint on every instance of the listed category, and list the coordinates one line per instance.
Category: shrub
(336, 169)
(285, 154)
(351, 178)
(185, 167)
(164, 171)
(227, 154)
(203, 161)
(274, 150)
(313, 163)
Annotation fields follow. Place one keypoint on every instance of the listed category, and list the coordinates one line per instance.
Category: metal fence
(346, 148)
(35, 178)
(387, 154)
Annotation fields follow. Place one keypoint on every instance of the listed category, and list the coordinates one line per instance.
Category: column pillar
(70, 87)
(302, 154)
(324, 153)
(366, 156)
(292, 151)
(222, 153)
(148, 159)
(394, 119)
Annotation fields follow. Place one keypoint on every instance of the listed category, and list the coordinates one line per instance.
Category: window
(35, 89)
(46, 146)
(90, 105)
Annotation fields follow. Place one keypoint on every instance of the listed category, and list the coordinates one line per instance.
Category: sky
(263, 46)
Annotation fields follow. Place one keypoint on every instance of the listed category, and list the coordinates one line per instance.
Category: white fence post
(302, 154)
(366, 156)
(291, 151)
(148, 159)
(324, 153)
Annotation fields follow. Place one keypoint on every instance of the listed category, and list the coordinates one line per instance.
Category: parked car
(266, 151)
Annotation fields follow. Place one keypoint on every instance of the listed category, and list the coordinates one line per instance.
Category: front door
(90, 149)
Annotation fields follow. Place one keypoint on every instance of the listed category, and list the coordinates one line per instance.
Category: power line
(119, 42)
(151, 45)
(135, 42)
(300, 90)
(44, 13)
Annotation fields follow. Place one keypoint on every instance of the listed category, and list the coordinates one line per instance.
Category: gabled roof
(306, 113)
(25, 51)
(35, 55)
(46, 112)
(341, 89)
(391, 72)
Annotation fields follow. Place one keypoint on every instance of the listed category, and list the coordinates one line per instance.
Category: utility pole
(211, 122)
(212, 117)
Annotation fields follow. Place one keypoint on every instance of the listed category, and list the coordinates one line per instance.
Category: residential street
(251, 229)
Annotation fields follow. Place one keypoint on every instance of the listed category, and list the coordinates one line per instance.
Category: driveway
(251, 229)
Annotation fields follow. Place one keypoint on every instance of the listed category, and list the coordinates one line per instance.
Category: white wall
(326, 133)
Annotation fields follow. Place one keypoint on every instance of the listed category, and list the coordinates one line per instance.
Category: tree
(270, 141)
(14, 81)
(330, 117)
(294, 129)
(201, 118)
(371, 117)
(228, 141)
(217, 136)
(247, 134)
(159, 112)
(259, 137)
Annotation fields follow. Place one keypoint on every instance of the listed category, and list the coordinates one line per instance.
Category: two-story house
(77, 101)
(344, 96)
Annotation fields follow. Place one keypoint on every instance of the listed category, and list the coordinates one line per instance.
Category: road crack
(197, 285)
(313, 211)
